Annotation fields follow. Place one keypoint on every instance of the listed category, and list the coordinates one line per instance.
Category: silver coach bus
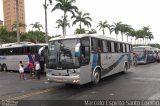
(79, 59)
(12, 53)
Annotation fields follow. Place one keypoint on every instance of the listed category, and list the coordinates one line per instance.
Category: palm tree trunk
(17, 20)
(131, 40)
(64, 29)
(46, 27)
(127, 38)
(103, 31)
(80, 27)
(116, 37)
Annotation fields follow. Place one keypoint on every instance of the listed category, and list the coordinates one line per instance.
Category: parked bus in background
(157, 54)
(79, 59)
(144, 54)
(12, 53)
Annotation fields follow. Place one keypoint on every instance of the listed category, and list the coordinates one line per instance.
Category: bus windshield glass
(140, 52)
(61, 54)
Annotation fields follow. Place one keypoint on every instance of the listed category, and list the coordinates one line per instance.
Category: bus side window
(85, 51)
(109, 46)
(121, 47)
(105, 47)
(94, 45)
(99, 48)
(112, 47)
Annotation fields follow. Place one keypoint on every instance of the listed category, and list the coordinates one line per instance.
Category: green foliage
(82, 18)
(31, 36)
(155, 45)
(80, 31)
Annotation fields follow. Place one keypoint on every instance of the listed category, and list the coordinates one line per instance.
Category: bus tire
(0, 67)
(96, 77)
(125, 68)
(4, 67)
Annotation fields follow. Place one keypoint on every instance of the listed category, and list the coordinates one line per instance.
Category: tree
(92, 31)
(103, 25)
(21, 25)
(45, 5)
(62, 23)
(116, 28)
(65, 6)
(80, 31)
(131, 32)
(125, 29)
(37, 26)
(82, 18)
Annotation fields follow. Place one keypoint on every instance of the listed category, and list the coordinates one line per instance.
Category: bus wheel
(125, 68)
(0, 67)
(96, 77)
(4, 67)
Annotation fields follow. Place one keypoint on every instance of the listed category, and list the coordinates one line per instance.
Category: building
(1, 23)
(9, 10)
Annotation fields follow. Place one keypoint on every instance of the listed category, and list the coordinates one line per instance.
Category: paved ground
(140, 83)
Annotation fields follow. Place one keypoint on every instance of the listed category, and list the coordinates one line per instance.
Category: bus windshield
(140, 52)
(61, 54)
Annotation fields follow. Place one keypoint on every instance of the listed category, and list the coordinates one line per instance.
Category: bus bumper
(141, 62)
(64, 79)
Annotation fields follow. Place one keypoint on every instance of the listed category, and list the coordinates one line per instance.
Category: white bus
(79, 59)
(12, 53)
(144, 54)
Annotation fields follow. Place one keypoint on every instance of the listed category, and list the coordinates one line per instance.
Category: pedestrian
(31, 69)
(21, 70)
(37, 69)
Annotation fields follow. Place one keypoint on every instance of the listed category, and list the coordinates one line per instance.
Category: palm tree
(131, 32)
(82, 18)
(150, 36)
(62, 23)
(45, 5)
(65, 6)
(126, 29)
(92, 31)
(103, 25)
(146, 32)
(116, 27)
(14, 26)
(80, 31)
(36, 25)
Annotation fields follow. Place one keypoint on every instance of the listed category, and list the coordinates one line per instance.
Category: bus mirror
(77, 50)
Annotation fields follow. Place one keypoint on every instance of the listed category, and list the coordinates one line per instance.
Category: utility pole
(17, 21)
(46, 26)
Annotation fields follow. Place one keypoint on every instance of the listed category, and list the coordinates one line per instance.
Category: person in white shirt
(38, 69)
(21, 69)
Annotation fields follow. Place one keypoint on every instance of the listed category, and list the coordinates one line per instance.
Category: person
(37, 69)
(31, 69)
(135, 59)
(92, 50)
(82, 59)
(21, 70)
(99, 50)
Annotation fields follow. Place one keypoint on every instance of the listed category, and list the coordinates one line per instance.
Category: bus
(144, 54)
(80, 59)
(12, 53)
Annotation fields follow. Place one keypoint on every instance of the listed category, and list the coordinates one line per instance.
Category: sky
(137, 13)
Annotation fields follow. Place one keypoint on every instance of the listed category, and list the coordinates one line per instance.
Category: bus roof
(144, 47)
(84, 35)
(11, 45)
